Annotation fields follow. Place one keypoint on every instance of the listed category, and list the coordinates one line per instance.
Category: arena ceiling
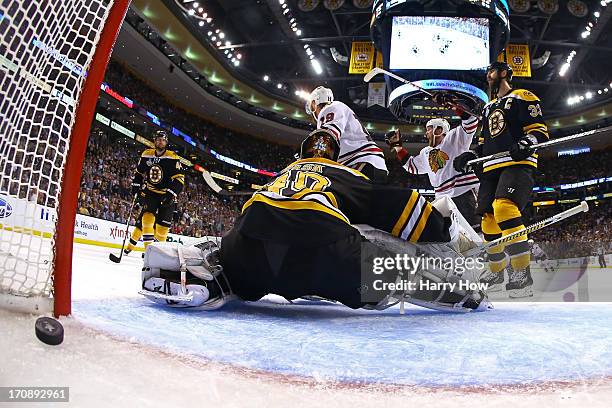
(264, 35)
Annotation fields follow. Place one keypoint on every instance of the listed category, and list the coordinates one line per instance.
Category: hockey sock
(161, 233)
(136, 234)
(148, 221)
(491, 232)
(509, 219)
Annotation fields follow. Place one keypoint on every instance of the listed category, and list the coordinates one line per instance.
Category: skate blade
(520, 293)
(497, 287)
(172, 298)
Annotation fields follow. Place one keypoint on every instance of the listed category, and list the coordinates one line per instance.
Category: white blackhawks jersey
(437, 162)
(356, 145)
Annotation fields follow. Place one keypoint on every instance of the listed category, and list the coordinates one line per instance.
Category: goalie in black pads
(295, 238)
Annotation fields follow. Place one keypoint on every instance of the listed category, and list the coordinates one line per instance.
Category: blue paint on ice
(514, 344)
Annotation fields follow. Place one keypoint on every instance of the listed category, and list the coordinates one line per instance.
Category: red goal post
(53, 56)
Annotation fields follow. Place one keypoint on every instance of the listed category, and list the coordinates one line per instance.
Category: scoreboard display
(443, 50)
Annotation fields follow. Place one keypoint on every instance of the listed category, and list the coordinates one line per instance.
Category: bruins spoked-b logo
(156, 174)
(497, 122)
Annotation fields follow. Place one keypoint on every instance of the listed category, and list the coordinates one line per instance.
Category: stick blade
(114, 258)
(368, 77)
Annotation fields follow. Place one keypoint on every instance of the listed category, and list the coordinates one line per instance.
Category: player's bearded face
(160, 143)
(494, 79)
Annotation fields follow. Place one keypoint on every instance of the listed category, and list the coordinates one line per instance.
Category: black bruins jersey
(314, 195)
(507, 120)
(160, 173)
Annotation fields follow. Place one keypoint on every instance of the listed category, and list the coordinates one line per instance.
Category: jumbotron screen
(454, 43)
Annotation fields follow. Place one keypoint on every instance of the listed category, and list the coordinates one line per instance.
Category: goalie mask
(320, 143)
(317, 97)
(433, 135)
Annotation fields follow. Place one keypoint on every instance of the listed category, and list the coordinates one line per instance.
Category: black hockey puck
(49, 331)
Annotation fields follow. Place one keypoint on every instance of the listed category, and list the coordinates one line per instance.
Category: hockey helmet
(320, 143)
(439, 122)
(501, 66)
(160, 134)
(318, 96)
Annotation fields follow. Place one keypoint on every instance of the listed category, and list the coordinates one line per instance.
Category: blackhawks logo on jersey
(437, 159)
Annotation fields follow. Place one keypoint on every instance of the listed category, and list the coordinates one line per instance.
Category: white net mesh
(46, 48)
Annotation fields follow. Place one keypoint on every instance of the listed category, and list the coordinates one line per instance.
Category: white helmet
(319, 95)
(439, 122)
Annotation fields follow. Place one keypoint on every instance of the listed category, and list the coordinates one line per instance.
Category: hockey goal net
(53, 54)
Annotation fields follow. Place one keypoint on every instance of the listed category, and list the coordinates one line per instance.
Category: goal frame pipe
(71, 177)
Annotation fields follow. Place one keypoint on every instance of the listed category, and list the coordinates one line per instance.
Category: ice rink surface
(121, 350)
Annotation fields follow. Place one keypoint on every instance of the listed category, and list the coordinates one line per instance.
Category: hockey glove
(168, 198)
(460, 164)
(450, 101)
(524, 148)
(393, 139)
(444, 99)
(136, 189)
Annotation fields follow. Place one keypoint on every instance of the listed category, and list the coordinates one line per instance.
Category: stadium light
(316, 65)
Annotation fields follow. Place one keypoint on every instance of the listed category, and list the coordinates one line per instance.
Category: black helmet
(320, 143)
(160, 133)
(501, 66)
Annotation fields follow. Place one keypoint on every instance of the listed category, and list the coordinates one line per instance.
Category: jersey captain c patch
(497, 122)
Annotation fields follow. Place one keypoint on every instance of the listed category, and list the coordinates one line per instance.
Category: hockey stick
(113, 257)
(582, 207)
(210, 182)
(375, 71)
(542, 145)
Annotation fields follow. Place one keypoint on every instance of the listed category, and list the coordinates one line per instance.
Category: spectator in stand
(256, 152)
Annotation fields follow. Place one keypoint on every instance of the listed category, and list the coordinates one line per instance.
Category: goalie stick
(375, 71)
(582, 207)
(113, 257)
(543, 145)
(212, 184)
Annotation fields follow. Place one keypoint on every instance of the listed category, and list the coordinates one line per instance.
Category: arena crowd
(111, 160)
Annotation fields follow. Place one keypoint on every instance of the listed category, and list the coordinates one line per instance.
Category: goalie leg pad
(185, 276)
(169, 293)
